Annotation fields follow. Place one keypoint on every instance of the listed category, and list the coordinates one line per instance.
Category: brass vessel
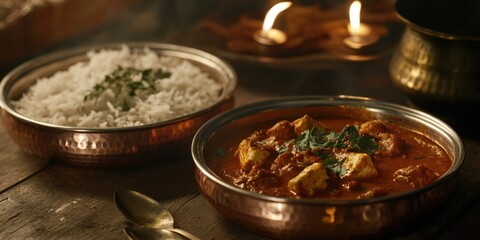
(437, 62)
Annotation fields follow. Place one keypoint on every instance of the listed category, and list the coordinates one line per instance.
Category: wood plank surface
(15, 165)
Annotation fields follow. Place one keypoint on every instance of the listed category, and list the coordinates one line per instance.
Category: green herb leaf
(125, 106)
(310, 139)
(322, 144)
(127, 80)
(357, 142)
(336, 166)
(348, 138)
(284, 147)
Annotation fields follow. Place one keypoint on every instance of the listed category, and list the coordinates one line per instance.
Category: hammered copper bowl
(108, 147)
(289, 218)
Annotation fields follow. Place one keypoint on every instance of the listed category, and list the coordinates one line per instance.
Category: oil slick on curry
(340, 158)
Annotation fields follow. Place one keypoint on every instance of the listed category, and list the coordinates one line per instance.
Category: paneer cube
(250, 155)
(309, 181)
(304, 123)
(359, 166)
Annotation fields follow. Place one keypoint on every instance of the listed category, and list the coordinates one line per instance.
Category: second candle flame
(354, 14)
(356, 28)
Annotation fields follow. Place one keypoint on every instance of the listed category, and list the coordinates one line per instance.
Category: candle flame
(361, 35)
(354, 15)
(272, 15)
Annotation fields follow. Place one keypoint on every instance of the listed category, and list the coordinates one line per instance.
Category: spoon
(144, 211)
(144, 233)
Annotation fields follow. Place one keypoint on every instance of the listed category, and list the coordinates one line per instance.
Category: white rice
(59, 99)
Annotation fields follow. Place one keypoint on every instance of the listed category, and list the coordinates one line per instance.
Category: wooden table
(45, 200)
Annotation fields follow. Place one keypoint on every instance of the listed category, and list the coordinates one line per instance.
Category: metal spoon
(144, 233)
(144, 211)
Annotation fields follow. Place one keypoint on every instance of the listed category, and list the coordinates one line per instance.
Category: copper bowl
(108, 147)
(289, 218)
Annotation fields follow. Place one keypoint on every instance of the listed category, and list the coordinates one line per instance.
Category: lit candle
(355, 27)
(360, 34)
(269, 35)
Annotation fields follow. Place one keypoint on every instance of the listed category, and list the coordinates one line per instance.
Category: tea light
(269, 35)
(360, 34)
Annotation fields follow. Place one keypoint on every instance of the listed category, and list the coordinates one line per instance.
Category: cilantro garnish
(336, 166)
(310, 139)
(127, 81)
(320, 142)
(283, 148)
(348, 138)
(353, 141)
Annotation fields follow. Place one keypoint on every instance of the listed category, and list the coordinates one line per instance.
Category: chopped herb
(331, 161)
(336, 166)
(283, 148)
(310, 139)
(418, 157)
(127, 80)
(318, 141)
(348, 138)
(125, 106)
(362, 143)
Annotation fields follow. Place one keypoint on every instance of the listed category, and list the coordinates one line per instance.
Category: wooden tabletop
(40, 199)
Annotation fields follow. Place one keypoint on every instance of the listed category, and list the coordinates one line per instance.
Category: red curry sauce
(402, 159)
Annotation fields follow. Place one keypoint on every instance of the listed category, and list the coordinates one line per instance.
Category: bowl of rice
(114, 105)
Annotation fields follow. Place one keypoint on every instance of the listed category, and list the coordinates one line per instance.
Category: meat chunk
(250, 155)
(358, 166)
(309, 181)
(285, 165)
(416, 176)
(389, 144)
(281, 132)
(288, 162)
(373, 128)
(304, 123)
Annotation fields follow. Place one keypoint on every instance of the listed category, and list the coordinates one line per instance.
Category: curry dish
(332, 158)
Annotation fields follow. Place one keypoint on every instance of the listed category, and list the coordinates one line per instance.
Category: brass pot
(437, 60)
